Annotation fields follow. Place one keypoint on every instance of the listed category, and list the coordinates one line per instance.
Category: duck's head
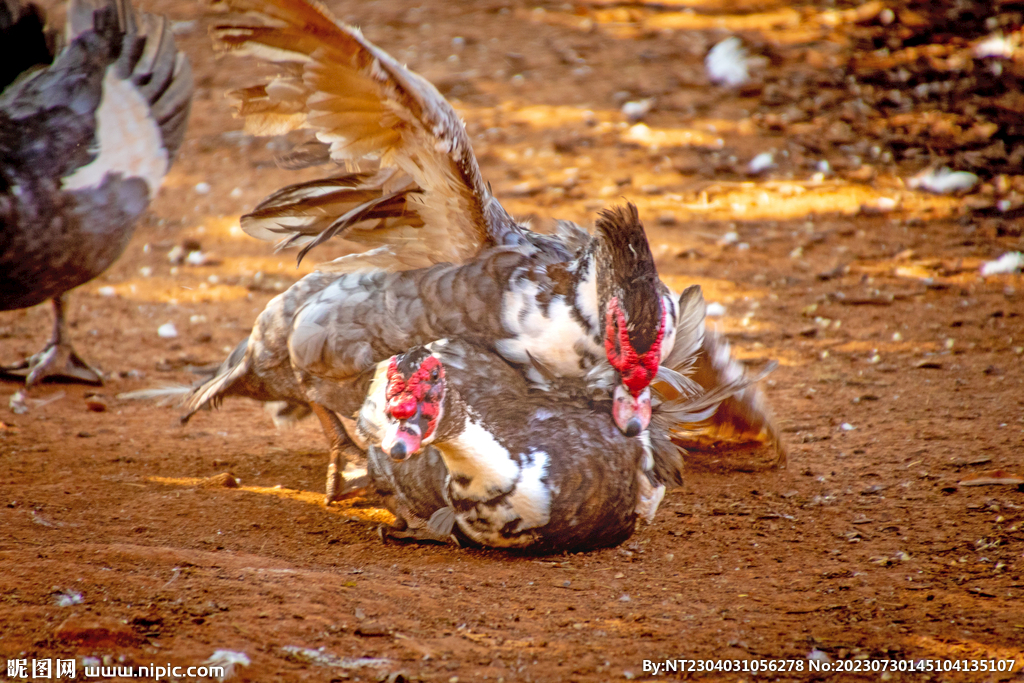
(638, 322)
(414, 406)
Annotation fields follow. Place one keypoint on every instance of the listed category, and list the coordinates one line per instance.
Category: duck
(87, 135)
(464, 448)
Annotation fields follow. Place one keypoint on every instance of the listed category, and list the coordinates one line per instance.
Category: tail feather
(213, 391)
(161, 74)
(721, 404)
(163, 395)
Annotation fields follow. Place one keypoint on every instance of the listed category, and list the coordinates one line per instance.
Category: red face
(413, 407)
(631, 409)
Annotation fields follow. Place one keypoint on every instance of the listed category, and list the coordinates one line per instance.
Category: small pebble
(167, 331)
(202, 188)
(17, 403)
(761, 163)
(635, 111)
(95, 404)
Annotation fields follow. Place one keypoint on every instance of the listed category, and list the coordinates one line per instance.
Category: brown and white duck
(86, 138)
(499, 463)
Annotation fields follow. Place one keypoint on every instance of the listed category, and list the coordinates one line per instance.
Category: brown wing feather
(366, 106)
(744, 417)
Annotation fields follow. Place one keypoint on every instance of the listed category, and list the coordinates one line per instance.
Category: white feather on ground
(1010, 262)
(943, 181)
(728, 63)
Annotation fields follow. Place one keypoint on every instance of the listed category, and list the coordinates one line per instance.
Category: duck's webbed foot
(57, 360)
(438, 529)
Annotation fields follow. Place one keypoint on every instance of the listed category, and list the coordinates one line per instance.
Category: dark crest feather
(629, 264)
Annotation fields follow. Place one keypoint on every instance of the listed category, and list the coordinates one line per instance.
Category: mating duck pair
(501, 380)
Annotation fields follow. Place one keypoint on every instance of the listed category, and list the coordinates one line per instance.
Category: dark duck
(86, 138)
(462, 446)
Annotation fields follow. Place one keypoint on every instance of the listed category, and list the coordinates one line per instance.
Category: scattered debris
(1010, 262)
(68, 598)
(95, 403)
(224, 480)
(943, 181)
(321, 657)
(17, 403)
(715, 310)
(636, 110)
(227, 659)
(817, 655)
(728, 63)
(167, 331)
(761, 163)
(41, 521)
(996, 45)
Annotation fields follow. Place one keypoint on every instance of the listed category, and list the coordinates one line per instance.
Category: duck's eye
(434, 374)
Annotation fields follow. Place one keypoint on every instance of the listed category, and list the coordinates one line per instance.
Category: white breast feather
(551, 339)
(532, 499)
(128, 140)
(477, 454)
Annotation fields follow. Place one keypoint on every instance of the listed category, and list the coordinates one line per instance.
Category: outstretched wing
(426, 198)
(743, 420)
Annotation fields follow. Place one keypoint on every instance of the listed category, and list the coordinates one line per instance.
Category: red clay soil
(901, 378)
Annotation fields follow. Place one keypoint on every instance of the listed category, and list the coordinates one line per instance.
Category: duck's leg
(337, 440)
(58, 358)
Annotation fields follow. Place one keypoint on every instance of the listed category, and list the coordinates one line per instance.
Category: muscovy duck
(86, 138)
(516, 467)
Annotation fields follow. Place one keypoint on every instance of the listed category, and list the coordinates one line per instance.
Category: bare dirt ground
(901, 375)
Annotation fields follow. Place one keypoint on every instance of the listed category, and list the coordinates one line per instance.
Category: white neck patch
(128, 140)
(476, 454)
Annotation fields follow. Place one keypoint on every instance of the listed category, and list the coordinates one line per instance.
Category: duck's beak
(631, 413)
(404, 438)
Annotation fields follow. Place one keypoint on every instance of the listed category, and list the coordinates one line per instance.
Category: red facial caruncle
(415, 402)
(637, 370)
